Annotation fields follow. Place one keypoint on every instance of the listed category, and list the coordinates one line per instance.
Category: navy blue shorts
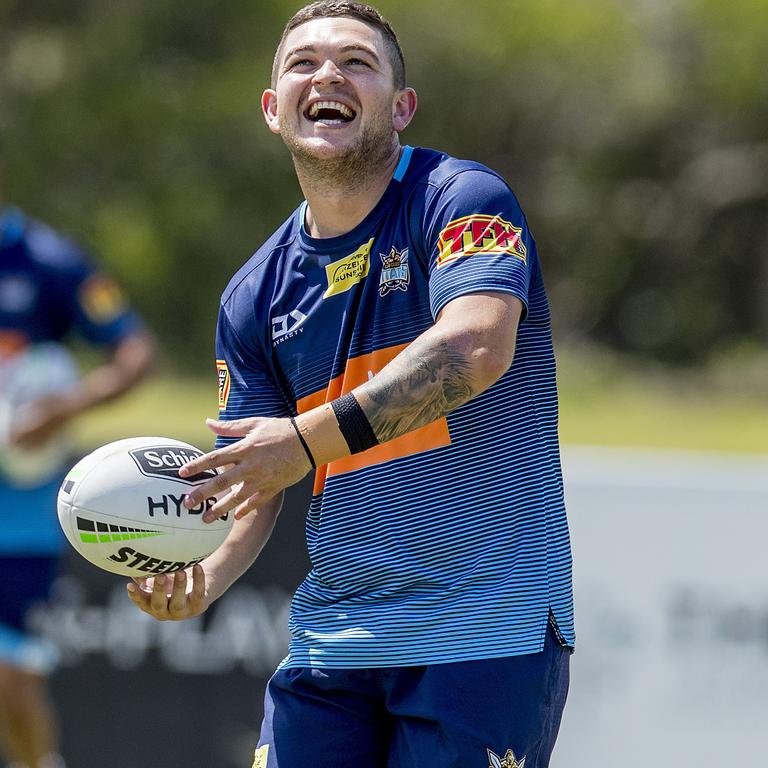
(493, 713)
(26, 582)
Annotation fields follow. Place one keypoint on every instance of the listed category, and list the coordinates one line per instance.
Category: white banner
(671, 666)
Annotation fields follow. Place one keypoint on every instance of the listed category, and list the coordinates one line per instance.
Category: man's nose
(328, 73)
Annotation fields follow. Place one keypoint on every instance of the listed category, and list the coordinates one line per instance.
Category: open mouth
(330, 113)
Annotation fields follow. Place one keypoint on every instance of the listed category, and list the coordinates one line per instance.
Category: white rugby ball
(121, 508)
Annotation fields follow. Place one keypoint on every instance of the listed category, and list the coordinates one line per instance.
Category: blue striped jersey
(449, 543)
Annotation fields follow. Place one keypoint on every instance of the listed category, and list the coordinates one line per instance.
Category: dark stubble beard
(352, 170)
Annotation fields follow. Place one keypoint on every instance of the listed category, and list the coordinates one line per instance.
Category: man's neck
(337, 206)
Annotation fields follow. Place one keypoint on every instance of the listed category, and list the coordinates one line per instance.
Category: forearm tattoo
(425, 381)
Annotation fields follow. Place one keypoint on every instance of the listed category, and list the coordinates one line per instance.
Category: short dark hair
(325, 9)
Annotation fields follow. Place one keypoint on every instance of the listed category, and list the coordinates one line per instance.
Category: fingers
(137, 595)
(165, 597)
(251, 504)
(234, 428)
(177, 604)
(158, 600)
(197, 596)
(219, 458)
(237, 496)
(213, 487)
(212, 460)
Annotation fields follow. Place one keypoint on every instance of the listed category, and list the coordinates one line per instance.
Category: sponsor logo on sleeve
(349, 271)
(395, 273)
(222, 374)
(479, 233)
(101, 299)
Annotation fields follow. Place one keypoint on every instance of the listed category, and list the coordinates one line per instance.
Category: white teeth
(337, 105)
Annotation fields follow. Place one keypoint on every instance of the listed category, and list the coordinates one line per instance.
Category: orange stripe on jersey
(357, 372)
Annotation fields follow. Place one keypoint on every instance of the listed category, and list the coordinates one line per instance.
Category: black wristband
(303, 443)
(354, 424)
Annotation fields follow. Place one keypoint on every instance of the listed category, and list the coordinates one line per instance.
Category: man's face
(334, 93)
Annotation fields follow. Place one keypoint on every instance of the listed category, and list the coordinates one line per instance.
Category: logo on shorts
(349, 271)
(395, 274)
(508, 761)
(260, 757)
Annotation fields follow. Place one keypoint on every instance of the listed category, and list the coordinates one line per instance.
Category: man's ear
(403, 108)
(269, 110)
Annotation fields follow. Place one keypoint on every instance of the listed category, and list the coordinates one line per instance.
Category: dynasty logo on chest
(285, 327)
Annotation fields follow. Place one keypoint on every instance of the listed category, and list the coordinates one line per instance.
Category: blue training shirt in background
(449, 543)
(49, 290)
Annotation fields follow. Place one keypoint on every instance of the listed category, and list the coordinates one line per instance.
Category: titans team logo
(508, 761)
(395, 274)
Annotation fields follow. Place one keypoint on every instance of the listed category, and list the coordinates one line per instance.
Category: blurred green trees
(634, 133)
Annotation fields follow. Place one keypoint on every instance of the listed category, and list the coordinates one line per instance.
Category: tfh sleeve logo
(479, 233)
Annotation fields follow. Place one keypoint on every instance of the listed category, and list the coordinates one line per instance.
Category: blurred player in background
(49, 291)
(394, 332)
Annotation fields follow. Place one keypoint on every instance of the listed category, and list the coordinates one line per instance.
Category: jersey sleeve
(101, 311)
(246, 386)
(476, 239)
(83, 298)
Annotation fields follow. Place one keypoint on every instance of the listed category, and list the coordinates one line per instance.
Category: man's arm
(172, 597)
(128, 363)
(469, 347)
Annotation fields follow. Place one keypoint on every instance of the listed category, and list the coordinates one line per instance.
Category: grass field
(615, 402)
(601, 404)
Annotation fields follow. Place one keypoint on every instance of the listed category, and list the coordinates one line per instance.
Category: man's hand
(171, 597)
(268, 459)
(39, 420)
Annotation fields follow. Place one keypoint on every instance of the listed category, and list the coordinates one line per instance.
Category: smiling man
(394, 335)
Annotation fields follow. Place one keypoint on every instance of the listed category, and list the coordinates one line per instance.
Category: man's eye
(357, 62)
(300, 63)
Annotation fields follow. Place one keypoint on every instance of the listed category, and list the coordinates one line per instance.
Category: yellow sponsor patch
(479, 233)
(260, 757)
(222, 373)
(349, 271)
(101, 299)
